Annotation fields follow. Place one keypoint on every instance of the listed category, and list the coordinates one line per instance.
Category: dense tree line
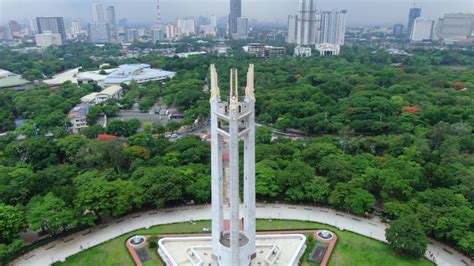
(395, 140)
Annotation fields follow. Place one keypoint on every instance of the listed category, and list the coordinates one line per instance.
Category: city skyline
(171, 9)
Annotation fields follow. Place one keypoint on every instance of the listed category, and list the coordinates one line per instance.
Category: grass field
(351, 249)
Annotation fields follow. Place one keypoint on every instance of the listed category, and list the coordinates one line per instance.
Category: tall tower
(112, 22)
(235, 12)
(306, 28)
(159, 22)
(231, 122)
(414, 14)
(97, 12)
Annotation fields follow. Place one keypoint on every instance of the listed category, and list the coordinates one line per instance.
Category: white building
(111, 92)
(48, 39)
(97, 12)
(138, 73)
(306, 23)
(292, 28)
(76, 27)
(186, 27)
(170, 31)
(328, 49)
(112, 23)
(332, 27)
(132, 35)
(302, 51)
(422, 30)
(242, 28)
(456, 27)
(99, 32)
(78, 117)
(157, 35)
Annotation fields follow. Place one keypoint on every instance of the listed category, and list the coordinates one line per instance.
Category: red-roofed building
(106, 137)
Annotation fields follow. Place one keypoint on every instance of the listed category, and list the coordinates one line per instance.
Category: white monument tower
(234, 241)
(231, 122)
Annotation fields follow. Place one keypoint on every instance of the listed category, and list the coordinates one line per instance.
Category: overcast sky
(360, 12)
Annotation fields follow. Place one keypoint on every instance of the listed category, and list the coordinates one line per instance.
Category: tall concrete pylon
(231, 122)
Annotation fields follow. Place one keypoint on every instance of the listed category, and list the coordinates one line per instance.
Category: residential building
(292, 28)
(33, 25)
(157, 35)
(78, 117)
(398, 29)
(186, 27)
(274, 52)
(76, 27)
(112, 23)
(170, 31)
(99, 32)
(138, 73)
(14, 28)
(422, 30)
(456, 26)
(47, 39)
(132, 35)
(414, 14)
(332, 27)
(53, 25)
(97, 13)
(214, 21)
(235, 12)
(242, 28)
(306, 22)
(302, 51)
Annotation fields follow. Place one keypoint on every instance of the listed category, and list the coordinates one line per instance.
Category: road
(373, 228)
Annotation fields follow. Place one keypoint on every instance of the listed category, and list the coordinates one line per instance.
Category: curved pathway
(59, 250)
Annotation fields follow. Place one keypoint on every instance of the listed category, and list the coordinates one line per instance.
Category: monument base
(272, 250)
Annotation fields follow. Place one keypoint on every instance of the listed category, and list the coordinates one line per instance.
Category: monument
(234, 240)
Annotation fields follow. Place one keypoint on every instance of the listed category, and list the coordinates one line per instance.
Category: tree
(50, 213)
(101, 197)
(12, 221)
(265, 185)
(406, 235)
(263, 135)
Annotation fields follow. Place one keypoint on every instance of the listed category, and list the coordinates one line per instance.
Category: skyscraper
(112, 23)
(235, 12)
(51, 24)
(456, 26)
(14, 28)
(414, 14)
(306, 28)
(292, 28)
(99, 32)
(242, 28)
(231, 122)
(97, 13)
(332, 27)
(422, 30)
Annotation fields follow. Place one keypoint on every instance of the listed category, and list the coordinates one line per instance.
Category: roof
(12, 81)
(112, 90)
(80, 110)
(106, 137)
(136, 72)
(89, 97)
(69, 75)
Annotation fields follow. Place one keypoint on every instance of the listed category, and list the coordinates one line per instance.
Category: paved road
(373, 228)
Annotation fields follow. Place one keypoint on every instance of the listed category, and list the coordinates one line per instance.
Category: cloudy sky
(360, 12)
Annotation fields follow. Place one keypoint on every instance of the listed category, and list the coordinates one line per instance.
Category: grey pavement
(61, 249)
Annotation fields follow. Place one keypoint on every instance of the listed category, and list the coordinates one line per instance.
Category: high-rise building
(332, 27)
(292, 28)
(112, 23)
(186, 26)
(398, 29)
(214, 21)
(422, 30)
(132, 35)
(97, 13)
(235, 12)
(99, 32)
(170, 31)
(306, 23)
(414, 14)
(33, 26)
(48, 39)
(51, 24)
(76, 27)
(14, 28)
(456, 26)
(242, 28)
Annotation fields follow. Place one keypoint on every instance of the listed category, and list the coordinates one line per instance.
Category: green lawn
(351, 249)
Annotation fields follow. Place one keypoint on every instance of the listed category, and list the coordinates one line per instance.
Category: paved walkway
(373, 228)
